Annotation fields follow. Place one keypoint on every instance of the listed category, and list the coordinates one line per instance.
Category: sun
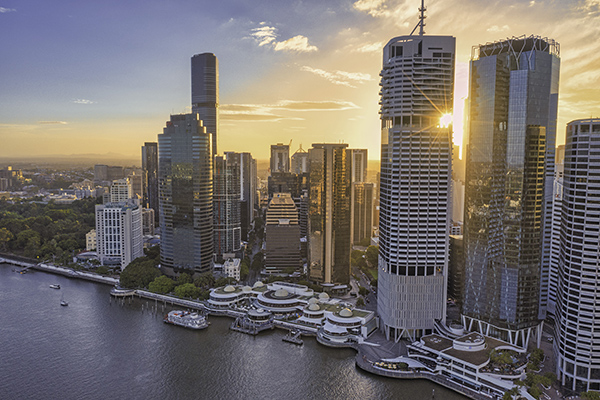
(445, 120)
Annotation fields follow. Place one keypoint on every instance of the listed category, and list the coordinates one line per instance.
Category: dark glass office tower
(226, 207)
(205, 93)
(508, 188)
(329, 213)
(150, 168)
(185, 196)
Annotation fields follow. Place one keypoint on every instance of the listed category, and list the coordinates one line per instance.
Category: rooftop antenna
(421, 23)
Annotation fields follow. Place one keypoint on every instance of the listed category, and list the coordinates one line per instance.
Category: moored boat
(186, 319)
(55, 286)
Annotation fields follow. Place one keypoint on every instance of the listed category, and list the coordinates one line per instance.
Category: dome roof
(323, 296)
(281, 293)
(246, 289)
(314, 307)
(346, 313)
(313, 300)
(229, 289)
(258, 284)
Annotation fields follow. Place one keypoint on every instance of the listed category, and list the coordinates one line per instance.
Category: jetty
(293, 337)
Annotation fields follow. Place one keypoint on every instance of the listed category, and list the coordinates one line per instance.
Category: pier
(293, 337)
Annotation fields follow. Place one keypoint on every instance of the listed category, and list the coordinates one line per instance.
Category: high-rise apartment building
(508, 188)
(119, 238)
(280, 158)
(359, 162)
(300, 162)
(417, 84)
(362, 211)
(329, 213)
(282, 235)
(577, 325)
(205, 93)
(185, 189)
(150, 168)
(226, 207)
(121, 191)
(246, 166)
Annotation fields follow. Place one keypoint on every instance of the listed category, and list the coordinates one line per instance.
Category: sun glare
(445, 120)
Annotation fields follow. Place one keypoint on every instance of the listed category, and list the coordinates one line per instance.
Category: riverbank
(365, 359)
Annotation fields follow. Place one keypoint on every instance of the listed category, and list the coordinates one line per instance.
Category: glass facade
(185, 196)
(226, 204)
(510, 155)
(205, 93)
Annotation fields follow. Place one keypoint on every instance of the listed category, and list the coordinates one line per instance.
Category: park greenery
(45, 231)
(366, 261)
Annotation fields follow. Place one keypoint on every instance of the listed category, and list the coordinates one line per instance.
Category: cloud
(7, 10)
(342, 78)
(375, 8)
(497, 29)
(370, 48)
(274, 112)
(52, 122)
(297, 43)
(83, 101)
(264, 35)
(267, 35)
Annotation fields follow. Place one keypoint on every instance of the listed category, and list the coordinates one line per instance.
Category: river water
(98, 348)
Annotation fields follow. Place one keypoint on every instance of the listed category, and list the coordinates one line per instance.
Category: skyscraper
(329, 213)
(577, 320)
(150, 167)
(226, 206)
(280, 158)
(205, 93)
(185, 173)
(300, 161)
(417, 84)
(508, 188)
(282, 251)
(245, 165)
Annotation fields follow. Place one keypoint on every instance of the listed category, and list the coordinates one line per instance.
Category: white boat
(186, 319)
(63, 303)
(55, 286)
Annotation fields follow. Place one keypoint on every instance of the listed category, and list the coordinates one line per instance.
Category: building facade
(226, 207)
(119, 238)
(577, 325)
(282, 251)
(329, 213)
(205, 93)
(417, 84)
(508, 188)
(185, 187)
(280, 158)
(246, 166)
(150, 176)
(362, 211)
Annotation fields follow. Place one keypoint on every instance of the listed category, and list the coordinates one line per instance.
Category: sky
(98, 77)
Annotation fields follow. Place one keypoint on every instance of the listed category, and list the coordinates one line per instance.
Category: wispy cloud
(267, 35)
(7, 10)
(370, 48)
(342, 78)
(52, 122)
(375, 8)
(274, 112)
(83, 101)
(497, 29)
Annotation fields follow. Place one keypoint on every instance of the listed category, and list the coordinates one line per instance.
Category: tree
(363, 291)
(5, 237)
(360, 302)
(205, 280)
(188, 290)
(184, 278)
(244, 269)
(356, 256)
(139, 273)
(163, 284)
(590, 395)
(372, 255)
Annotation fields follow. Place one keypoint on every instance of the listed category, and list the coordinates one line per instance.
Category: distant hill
(75, 160)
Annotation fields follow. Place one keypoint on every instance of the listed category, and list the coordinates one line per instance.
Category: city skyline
(82, 76)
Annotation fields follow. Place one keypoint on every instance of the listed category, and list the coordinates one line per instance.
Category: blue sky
(103, 76)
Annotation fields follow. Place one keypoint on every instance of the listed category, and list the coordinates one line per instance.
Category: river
(100, 348)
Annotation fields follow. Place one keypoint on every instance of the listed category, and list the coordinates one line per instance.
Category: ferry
(55, 286)
(186, 319)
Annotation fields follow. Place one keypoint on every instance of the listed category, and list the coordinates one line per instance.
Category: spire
(421, 23)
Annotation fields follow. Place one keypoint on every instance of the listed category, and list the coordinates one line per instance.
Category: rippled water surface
(101, 349)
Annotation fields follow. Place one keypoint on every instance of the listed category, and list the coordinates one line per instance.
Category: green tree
(244, 269)
(590, 395)
(184, 278)
(363, 291)
(372, 255)
(205, 280)
(163, 284)
(139, 273)
(535, 391)
(188, 290)
(360, 302)
(356, 256)
(5, 237)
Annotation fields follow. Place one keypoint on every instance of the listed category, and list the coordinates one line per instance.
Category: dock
(240, 325)
(294, 337)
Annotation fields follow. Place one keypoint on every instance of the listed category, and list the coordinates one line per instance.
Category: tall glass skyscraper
(185, 196)
(508, 188)
(150, 169)
(577, 320)
(226, 206)
(205, 93)
(417, 84)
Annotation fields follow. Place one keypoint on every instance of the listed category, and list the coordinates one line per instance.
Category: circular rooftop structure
(346, 313)
(229, 289)
(313, 300)
(258, 284)
(323, 296)
(314, 307)
(281, 293)
(246, 289)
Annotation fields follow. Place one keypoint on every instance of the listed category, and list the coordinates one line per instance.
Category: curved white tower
(577, 317)
(417, 84)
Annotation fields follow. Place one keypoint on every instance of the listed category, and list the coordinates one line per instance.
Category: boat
(186, 319)
(55, 286)
(293, 336)
(63, 303)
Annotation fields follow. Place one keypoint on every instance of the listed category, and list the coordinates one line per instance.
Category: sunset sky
(100, 77)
